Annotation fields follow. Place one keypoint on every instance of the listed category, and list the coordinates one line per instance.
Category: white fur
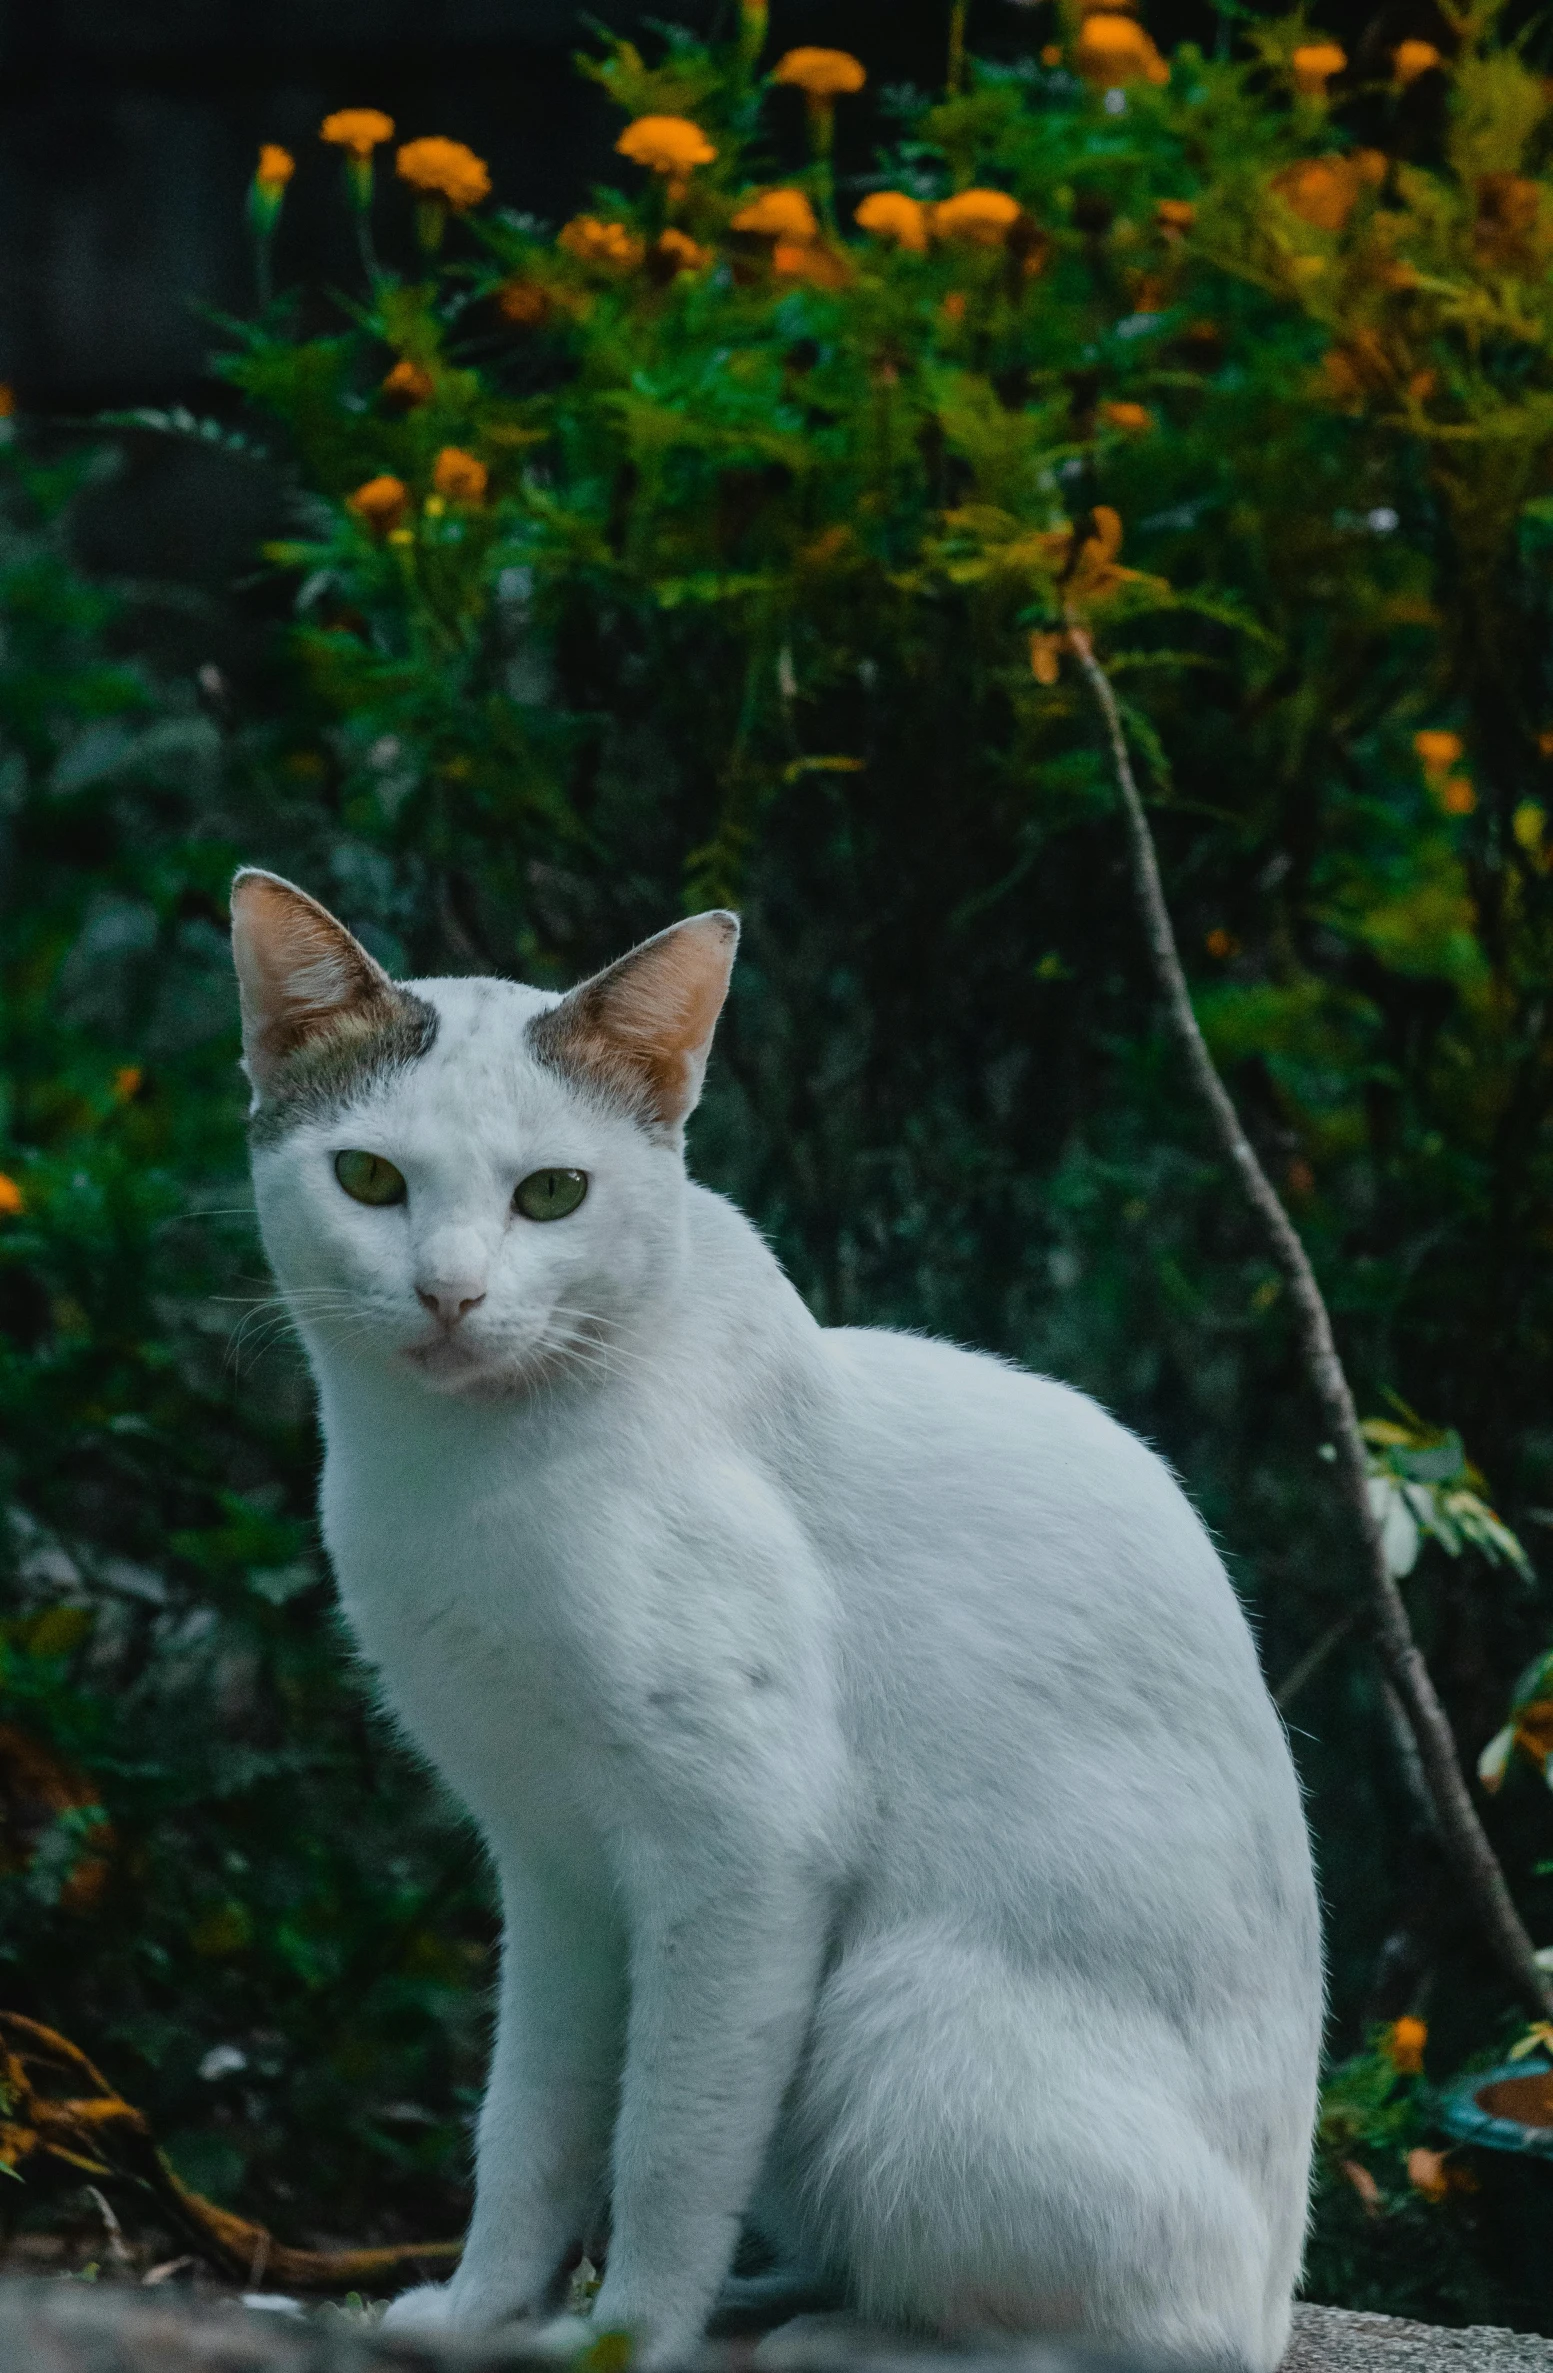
(896, 1842)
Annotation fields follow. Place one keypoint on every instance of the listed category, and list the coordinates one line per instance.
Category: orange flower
(610, 244)
(1092, 572)
(679, 253)
(1426, 2170)
(127, 1083)
(1051, 54)
(1508, 208)
(983, 218)
(1175, 214)
(358, 130)
(953, 307)
(444, 169)
(276, 166)
(1134, 418)
(811, 260)
(1045, 657)
(890, 214)
(820, 73)
(1322, 191)
(777, 214)
(459, 476)
(7, 399)
(1222, 944)
(380, 504)
(407, 383)
(1403, 2044)
(668, 144)
(523, 302)
(1314, 64)
(12, 1200)
(1437, 752)
(1412, 58)
(1456, 796)
(1112, 50)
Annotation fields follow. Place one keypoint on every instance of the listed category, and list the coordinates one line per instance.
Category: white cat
(898, 1849)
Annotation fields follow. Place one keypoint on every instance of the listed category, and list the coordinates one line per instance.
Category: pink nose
(450, 1303)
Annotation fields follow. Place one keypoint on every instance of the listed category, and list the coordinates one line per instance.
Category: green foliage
(668, 559)
(206, 1844)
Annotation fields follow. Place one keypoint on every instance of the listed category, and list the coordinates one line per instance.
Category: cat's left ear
(642, 1030)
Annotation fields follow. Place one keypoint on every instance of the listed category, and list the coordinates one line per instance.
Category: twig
(1461, 1832)
(93, 2129)
(1306, 1667)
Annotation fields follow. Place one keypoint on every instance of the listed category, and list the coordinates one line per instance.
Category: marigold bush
(651, 561)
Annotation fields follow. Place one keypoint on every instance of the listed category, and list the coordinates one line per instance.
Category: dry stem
(1461, 1832)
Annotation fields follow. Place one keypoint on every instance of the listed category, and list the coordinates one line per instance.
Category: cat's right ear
(642, 1030)
(300, 974)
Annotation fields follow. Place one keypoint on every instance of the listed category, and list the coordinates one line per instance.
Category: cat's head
(474, 1183)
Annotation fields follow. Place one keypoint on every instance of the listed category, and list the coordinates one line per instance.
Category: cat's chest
(479, 1609)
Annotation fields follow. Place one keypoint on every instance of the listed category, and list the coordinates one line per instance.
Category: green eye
(369, 1179)
(550, 1194)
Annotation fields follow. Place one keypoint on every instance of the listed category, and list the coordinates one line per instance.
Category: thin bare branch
(1461, 1832)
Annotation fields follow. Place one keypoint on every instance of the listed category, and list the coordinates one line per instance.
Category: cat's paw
(429, 2309)
(564, 2337)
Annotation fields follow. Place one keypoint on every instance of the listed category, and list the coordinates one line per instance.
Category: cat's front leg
(541, 2170)
(723, 1975)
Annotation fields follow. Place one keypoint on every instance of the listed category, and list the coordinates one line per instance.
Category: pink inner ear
(298, 969)
(643, 1027)
(671, 997)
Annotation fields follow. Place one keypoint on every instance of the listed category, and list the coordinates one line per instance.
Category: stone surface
(73, 2327)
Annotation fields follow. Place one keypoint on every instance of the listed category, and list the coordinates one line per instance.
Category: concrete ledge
(74, 2327)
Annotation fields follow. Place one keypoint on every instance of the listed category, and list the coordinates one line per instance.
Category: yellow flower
(667, 144)
(276, 166)
(1314, 64)
(610, 244)
(380, 504)
(1134, 418)
(444, 169)
(820, 73)
(677, 252)
(408, 383)
(982, 217)
(1113, 49)
(1412, 58)
(12, 1200)
(778, 214)
(358, 130)
(1403, 2044)
(890, 214)
(1437, 752)
(459, 476)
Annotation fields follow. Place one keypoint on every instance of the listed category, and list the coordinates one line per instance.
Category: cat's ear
(300, 974)
(642, 1030)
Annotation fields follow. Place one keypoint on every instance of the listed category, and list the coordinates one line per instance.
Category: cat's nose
(450, 1300)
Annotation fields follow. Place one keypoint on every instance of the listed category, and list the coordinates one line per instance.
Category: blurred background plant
(718, 543)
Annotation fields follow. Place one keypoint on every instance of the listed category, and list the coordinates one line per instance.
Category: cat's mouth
(461, 1364)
